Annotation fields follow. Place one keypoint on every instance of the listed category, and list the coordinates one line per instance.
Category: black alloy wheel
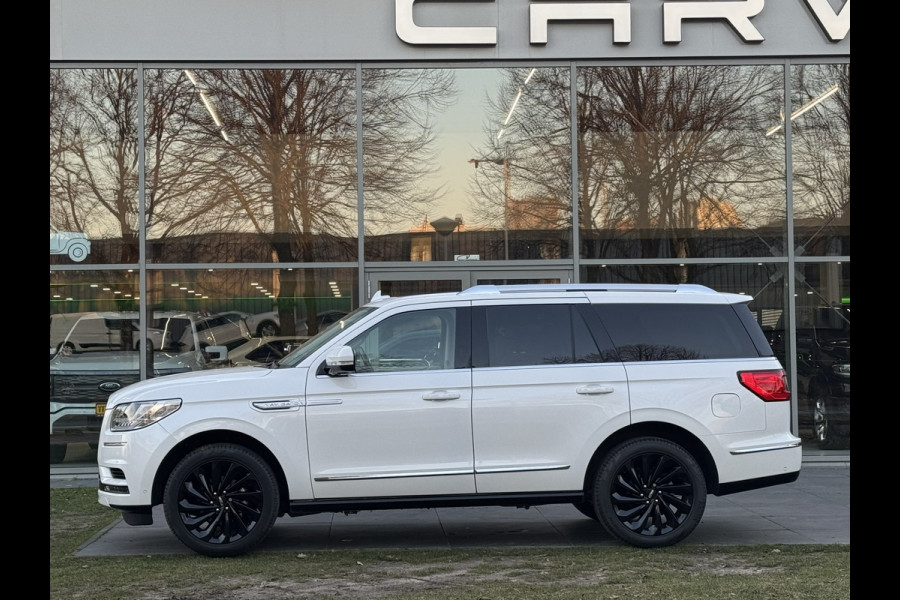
(267, 329)
(650, 493)
(221, 500)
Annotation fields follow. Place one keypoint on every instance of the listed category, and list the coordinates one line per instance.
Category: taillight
(771, 386)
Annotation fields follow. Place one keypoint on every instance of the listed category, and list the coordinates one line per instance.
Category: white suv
(632, 402)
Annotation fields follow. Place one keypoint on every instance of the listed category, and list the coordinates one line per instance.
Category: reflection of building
(716, 214)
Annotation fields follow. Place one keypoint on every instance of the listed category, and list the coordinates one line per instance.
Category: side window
(547, 334)
(411, 341)
(652, 332)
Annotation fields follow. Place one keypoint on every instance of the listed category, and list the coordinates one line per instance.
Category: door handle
(440, 396)
(595, 389)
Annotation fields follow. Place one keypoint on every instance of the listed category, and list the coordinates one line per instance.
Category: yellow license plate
(99, 409)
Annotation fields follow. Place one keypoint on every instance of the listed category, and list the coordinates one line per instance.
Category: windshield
(323, 338)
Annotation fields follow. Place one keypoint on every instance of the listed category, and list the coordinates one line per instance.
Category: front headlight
(842, 369)
(137, 415)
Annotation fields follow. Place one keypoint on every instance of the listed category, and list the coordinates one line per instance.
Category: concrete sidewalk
(815, 509)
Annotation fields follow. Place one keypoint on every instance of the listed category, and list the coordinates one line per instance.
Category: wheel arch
(680, 436)
(214, 437)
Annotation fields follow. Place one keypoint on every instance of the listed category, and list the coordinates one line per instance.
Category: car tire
(267, 329)
(649, 492)
(57, 453)
(587, 509)
(824, 431)
(78, 252)
(221, 500)
(137, 346)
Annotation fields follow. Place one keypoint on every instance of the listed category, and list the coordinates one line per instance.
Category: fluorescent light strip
(829, 92)
(209, 107)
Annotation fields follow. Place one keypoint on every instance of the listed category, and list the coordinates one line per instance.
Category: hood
(238, 383)
(123, 360)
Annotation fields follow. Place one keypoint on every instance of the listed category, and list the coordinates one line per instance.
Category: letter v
(836, 26)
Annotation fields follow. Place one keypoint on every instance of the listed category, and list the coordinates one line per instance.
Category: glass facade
(196, 210)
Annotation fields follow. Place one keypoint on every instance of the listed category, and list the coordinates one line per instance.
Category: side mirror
(339, 361)
(216, 353)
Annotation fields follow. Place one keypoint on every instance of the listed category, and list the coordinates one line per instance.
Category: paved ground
(813, 510)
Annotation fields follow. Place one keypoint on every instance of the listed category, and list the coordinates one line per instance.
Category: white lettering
(836, 26)
(736, 13)
(409, 32)
(620, 14)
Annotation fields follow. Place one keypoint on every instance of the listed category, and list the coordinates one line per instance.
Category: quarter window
(651, 332)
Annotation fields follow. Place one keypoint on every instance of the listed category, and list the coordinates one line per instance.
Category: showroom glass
(820, 128)
(93, 166)
(251, 165)
(764, 282)
(822, 384)
(269, 302)
(472, 162)
(94, 349)
(674, 162)
(94, 194)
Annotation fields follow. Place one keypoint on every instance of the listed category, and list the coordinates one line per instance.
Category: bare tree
(93, 131)
(275, 154)
(821, 148)
(662, 152)
(400, 107)
(527, 153)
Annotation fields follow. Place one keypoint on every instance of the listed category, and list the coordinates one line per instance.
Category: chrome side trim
(439, 473)
(766, 448)
(391, 475)
(268, 405)
(520, 469)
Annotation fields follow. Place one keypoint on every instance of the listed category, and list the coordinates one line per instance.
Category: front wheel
(267, 329)
(650, 493)
(221, 500)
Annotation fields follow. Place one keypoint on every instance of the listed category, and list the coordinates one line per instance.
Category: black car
(823, 375)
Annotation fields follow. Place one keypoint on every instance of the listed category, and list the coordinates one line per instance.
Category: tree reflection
(664, 154)
(821, 157)
(94, 157)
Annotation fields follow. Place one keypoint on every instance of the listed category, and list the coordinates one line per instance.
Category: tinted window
(522, 335)
(649, 332)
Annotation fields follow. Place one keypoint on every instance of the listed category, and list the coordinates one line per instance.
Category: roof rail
(681, 288)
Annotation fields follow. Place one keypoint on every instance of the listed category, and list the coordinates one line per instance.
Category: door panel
(544, 395)
(545, 441)
(401, 423)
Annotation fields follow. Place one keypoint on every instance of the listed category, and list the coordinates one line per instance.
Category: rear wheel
(267, 329)
(826, 432)
(221, 500)
(650, 492)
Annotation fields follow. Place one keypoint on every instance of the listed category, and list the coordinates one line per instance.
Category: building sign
(617, 14)
(446, 30)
